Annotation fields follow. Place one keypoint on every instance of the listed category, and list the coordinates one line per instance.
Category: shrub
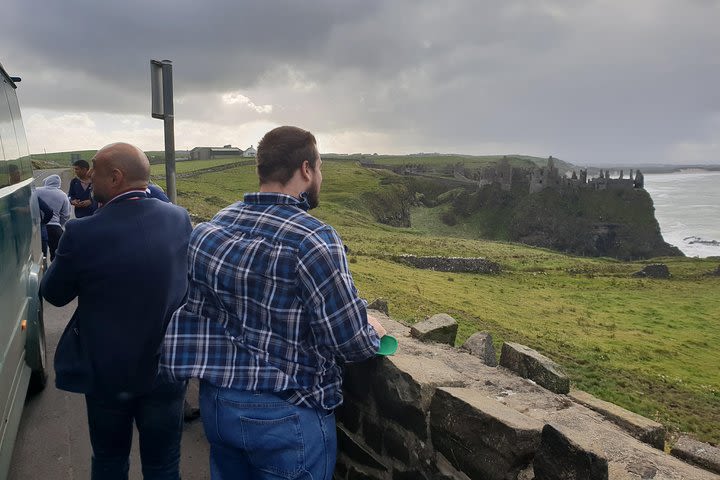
(448, 218)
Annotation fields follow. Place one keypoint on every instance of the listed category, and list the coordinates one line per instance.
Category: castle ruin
(549, 176)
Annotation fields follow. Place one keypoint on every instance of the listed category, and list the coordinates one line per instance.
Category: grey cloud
(217, 39)
(588, 81)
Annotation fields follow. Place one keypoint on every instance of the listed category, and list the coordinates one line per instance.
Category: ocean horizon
(687, 207)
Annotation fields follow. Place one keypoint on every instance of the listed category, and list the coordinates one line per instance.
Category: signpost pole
(162, 107)
(169, 130)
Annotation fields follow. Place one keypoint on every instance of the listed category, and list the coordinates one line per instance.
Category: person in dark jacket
(46, 214)
(155, 191)
(127, 265)
(80, 191)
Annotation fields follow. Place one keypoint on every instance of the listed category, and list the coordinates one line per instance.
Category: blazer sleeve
(60, 283)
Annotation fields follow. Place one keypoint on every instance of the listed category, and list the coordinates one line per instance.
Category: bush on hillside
(449, 196)
(448, 218)
(390, 205)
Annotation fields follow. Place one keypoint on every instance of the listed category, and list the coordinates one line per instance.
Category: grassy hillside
(192, 165)
(618, 223)
(62, 158)
(648, 345)
(471, 161)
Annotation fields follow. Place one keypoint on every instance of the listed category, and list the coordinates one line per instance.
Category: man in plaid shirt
(271, 314)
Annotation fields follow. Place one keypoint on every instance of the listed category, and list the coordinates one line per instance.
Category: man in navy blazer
(127, 265)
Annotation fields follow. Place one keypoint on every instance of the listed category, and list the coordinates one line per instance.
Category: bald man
(127, 266)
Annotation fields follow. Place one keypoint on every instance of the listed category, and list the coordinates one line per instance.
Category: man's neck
(128, 189)
(287, 189)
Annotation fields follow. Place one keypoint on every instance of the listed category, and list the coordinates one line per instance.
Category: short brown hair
(82, 164)
(282, 151)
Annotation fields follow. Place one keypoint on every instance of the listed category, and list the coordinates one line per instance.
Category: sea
(687, 207)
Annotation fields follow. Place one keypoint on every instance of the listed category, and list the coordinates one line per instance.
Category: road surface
(66, 174)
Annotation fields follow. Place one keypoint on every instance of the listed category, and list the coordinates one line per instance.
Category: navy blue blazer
(127, 265)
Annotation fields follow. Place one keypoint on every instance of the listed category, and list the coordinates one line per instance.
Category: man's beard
(313, 196)
(97, 198)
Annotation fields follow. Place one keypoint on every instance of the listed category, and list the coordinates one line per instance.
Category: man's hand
(84, 203)
(377, 326)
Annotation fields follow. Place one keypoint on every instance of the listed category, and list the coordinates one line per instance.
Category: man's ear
(117, 176)
(306, 170)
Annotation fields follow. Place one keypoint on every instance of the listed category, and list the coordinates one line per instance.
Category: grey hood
(55, 199)
(53, 181)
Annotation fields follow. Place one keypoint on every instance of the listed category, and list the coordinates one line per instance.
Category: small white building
(250, 152)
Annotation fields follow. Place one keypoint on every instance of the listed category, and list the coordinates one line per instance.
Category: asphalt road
(66, 174)
(53, 441)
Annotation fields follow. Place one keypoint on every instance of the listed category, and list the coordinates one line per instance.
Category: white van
(22, 333)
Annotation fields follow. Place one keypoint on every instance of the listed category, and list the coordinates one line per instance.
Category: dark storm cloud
(215, 45)
(593, 82)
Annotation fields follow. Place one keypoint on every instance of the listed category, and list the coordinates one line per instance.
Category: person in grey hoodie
(58, 201)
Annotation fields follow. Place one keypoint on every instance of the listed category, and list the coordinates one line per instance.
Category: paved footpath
(53, 441)
(66, 174)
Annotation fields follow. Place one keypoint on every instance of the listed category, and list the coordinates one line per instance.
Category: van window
(18, 128)
(7, 129)
(23, 160)
(8, 145)
(12, 139)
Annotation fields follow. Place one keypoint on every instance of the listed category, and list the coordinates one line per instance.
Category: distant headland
(518, 199)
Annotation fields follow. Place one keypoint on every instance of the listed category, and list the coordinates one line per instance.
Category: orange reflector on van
(23, 325)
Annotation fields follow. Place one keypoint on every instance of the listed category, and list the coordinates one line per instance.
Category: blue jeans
(260, 436)
(158, 416)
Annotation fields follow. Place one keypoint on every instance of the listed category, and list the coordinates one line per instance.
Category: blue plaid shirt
(271, 305)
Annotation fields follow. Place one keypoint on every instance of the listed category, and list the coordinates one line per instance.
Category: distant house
(250, 152)
(207, 153)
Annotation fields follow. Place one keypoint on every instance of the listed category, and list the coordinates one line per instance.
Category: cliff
(608, 223)
(617, 223)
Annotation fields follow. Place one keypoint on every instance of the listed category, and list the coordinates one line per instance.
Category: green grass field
(192, 165)
(647, 345)
(473, 161)
(63, 158)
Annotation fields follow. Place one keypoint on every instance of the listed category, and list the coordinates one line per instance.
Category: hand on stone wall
(377, 326)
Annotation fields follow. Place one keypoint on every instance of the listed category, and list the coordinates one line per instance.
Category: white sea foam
(687, 207)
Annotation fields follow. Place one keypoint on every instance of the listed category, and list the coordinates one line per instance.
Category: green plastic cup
(388, 345)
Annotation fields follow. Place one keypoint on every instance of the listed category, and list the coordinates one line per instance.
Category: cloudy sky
(591, 82)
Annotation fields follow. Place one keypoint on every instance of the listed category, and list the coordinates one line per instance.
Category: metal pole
(169, 121)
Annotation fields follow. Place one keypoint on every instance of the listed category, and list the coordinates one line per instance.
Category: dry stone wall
(436, 412)
(450, 264)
